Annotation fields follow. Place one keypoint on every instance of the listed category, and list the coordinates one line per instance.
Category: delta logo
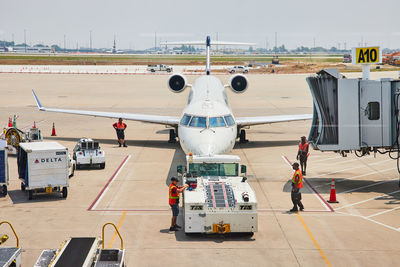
(48, 160)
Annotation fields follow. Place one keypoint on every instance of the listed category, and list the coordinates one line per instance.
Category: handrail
(116, 230)
(12, 228)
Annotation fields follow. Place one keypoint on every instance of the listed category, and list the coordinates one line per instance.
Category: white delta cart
(43, 167)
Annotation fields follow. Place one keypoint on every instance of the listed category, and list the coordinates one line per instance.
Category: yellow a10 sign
(366, 55)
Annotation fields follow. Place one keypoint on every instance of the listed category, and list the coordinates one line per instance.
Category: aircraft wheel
(172, 136)
(243, 136)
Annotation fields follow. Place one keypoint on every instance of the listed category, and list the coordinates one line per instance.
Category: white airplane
(207, 125)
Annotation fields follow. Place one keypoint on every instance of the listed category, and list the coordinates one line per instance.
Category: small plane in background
(207, 125)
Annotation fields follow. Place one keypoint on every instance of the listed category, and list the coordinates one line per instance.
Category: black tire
(64, 192)
(78, 166)
(4, 191)
(246, 71)
(172, 136)
(243, 136)
(232, 72)
(153, 70)
(168, 70)
(102, 165)
(30, 194)
(22, 186)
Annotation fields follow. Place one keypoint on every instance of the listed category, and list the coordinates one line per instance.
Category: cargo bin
(43, 168)
(4, 178)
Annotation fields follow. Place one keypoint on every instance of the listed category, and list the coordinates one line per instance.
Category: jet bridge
(354, 115)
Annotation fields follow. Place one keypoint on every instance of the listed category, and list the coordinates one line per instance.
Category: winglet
(37, 100)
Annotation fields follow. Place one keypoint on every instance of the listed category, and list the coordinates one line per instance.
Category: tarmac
(361, 230)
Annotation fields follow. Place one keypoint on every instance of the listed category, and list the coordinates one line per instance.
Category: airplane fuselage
(207, 125)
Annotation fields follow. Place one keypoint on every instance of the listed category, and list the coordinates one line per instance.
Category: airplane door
(371, 113)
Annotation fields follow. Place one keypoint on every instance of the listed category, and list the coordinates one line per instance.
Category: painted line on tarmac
(366, 186)
(357, 176)
(316, 194)
(115, 232)
(382, 212)
(106, 186)
(371, 220)
(366, 200)
(313, 239)
(353, 168)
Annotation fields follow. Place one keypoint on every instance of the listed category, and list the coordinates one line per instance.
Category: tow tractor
(218, 200)
(9, 256)
(87, 152)
(84, 252)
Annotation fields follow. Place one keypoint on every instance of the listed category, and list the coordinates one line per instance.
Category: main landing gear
(242, 137)
(172, 136)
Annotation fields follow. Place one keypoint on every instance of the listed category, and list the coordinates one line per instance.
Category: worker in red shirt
(174, 191)
(120, 129)
(302, 154)
(297, 184)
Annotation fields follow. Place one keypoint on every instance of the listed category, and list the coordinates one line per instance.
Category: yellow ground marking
(118, 226)
(313, 239)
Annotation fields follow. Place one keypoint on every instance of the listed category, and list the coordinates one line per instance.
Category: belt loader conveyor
(10, 256)
(85, 252)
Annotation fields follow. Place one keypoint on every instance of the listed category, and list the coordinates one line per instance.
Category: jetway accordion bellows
(324, 91)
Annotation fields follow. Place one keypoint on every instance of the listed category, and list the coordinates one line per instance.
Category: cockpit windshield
(229, 120)
(217, 122)
(185, 119)
(198, 122)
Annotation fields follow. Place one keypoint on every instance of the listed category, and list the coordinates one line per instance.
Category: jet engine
(177, 83)
(238, 83)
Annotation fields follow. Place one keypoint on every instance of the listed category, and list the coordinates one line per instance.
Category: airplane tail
(208, 44)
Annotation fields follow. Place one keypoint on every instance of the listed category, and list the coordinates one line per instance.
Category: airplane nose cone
(207, 149)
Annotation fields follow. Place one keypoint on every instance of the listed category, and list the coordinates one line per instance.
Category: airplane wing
(249, 121)
(164, 120)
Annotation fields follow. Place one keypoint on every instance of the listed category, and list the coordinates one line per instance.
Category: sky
(134, 23)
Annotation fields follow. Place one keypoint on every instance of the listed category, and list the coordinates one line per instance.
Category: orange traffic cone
(34, 125)
(332, 198)
(10, 124)
(53, 131)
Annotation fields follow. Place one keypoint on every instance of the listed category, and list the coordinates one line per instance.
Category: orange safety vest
(173, 197)
(303, 147)
(297, 179)
(120, 126)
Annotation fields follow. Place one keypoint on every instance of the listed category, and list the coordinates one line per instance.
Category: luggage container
(43, 168)
(4, 178)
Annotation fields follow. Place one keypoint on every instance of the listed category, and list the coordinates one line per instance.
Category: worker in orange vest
(297, 184)
(174, 191)
(120, 128)
(302, 154)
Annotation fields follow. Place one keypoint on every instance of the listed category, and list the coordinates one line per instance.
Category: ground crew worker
(302, 154)
(174, 191)
(120, 128)
(297, 184)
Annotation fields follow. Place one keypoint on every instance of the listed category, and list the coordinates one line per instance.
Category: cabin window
(217, 122)
(229, 120)
(373, 111)
(185, 120)
(198, 122)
